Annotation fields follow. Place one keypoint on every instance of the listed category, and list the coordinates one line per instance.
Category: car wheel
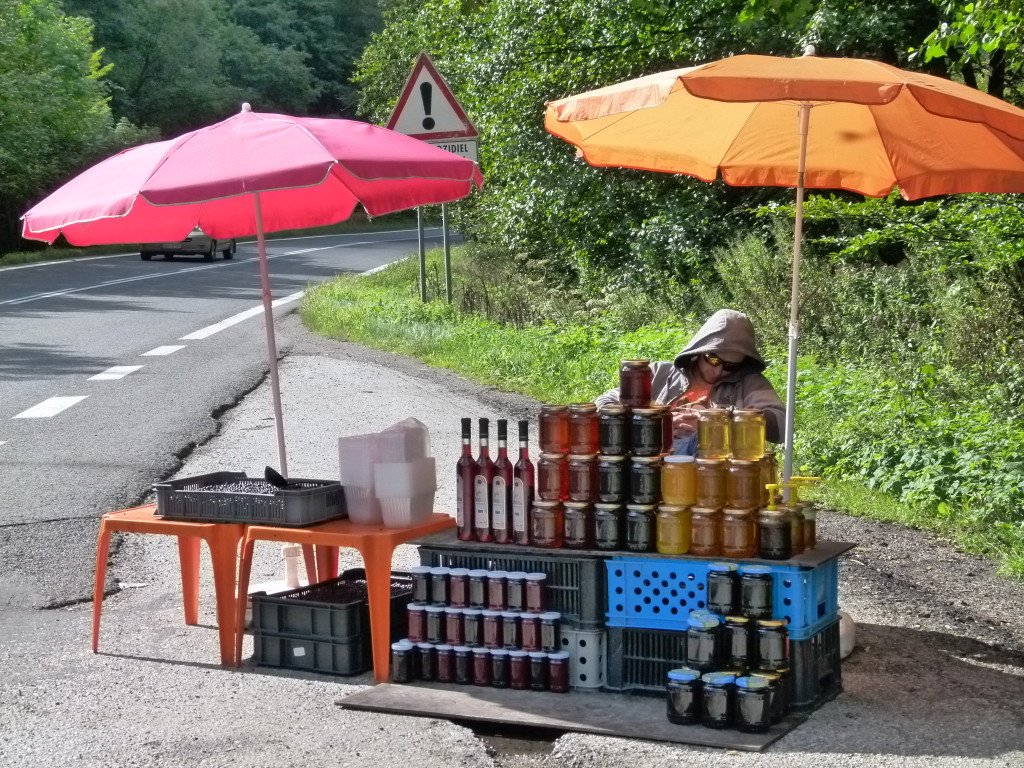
(229, 252)
(168, 257)
(146, 255)
(209, 254)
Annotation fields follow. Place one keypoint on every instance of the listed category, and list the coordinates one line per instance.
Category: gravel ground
(937, 677)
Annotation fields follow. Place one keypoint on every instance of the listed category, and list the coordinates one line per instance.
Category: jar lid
(737, 620)
(746, 413)
(608, 506)
(425, 646)
(775, 514)
(705, 510)
(516, 575)
(752, 683)
(462, 649)
(740, 511)
(714, 412)
(537, 576)
(577, 457)
(612, 408)
(517, 654)
(672, 509)
(742, 462)
(771, 677)
(458, 572)
(544, 504)
(646, 411)
(490, 614)
(683, 675)
(402, 645)
(583, 407)
(558, 656)
(478, 573)
(676, 458)
(499, 652)
(549, 408)
(636, 363)
(703, 622)
(577, 505)
(605, 458)
(640, 507)
(711, 462)
(435, 609)
(538, 655)
(718, 678)
(771, 624)
(420, 569)
(527, 616)
(722, 567)
(417, 607)
(552, 456)
(482, 651)
(550, 616)
(440, 571)
(443, 648)
(755, 570)
(704, 613)
(471, 611)
(452, 610)
(510, 614)
(497, 574)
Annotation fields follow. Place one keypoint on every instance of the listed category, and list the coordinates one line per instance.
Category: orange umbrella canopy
(873, 127)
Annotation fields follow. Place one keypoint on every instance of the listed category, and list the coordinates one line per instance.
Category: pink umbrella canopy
(251, 174)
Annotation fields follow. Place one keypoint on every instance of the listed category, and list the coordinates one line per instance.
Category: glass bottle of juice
(465, 471)
(482, 482)
(501, 489)
(522, 488)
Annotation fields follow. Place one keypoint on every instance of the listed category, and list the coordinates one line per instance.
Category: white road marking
(3, 442)
(160, 351)
(116, 372)
(50, 407)
(209, 330)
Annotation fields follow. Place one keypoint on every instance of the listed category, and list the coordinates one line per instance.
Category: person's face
(712, 369)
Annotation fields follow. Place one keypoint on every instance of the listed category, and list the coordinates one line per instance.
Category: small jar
(756, 591)
(646, 426)
(481, 666)
(739, 533)
(609, 526)
(439, 586)
(458, 587)
(497, 590)
(473, 627)
(769, 475)
(645, 480)
(710, 482)
(492, 629)
(578, 525)
(454, 633)
(772, 645)
(463, 664)
(402, 656)
(550, 623)
(702, 641)
(778, 693)
(742, 484)
(739, 645)
(510, 634)
(612, 479)
(810, 513)
(705, 531)
(747, 438)
(723, 589)
(641, 527)
(613, 430)
(673, 530)
(718, 699)
(552, 477)
(667, 428)
(635, 379)
(583, 477)
(682, 693)
(554, 429)
(796, 531)
(516, 592)
(445, 663)
(420, 584)
(536, 586)
(678, 480)
(435, 623)
(478, 588)
(546, 526)
(529, 631)
(428, 662)
(558, 672)
(583, 428)
(713, 434)
(499, 668)
(774, 534)
(519, 670)
(416, 622)
(753, 704)
(538, 671)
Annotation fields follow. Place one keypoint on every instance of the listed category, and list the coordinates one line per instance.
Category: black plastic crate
(817, 675)
(348, 657)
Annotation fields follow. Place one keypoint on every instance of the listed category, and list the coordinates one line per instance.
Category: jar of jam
(778, 695)
(683, 691)
(510, 629)
(774, 534)
(718, 699)
(612, 479)
(428, 661)
(519, 670)
(402, 656)
(416, 621)
(667, 428)
(609, 526)
(546, 526)
(739, 533)
(583, 477)
(673, 530)
(772, 645)
(435, 623)
(473, 627)
(420, 584)
(646, 432)
(463, 664)
(578, 518)
(769, 476)
(641, 528)
(678, 480)
(748, 434)
(635, 377)
(497, 590)
(478, 588)
(481, 666)
(529, 631)
(742, 484)
(492, 629)
(516, 593)
(713, 434)
(439, 586)
(583, 428)
(705, 531)
(810, 513)
(645, 480)
(445, 663)
(554, 429)
(538, 671)
(536, 584)
(458, 587)
(499, 668)
(453, 627)
(756, 591)
(723, 589)
(753, 704)
(702, 641)
(739, 644)
(558, 672)
(613, 430)
(550, 623)
(552, 477)
(710, 477)
(796, 531)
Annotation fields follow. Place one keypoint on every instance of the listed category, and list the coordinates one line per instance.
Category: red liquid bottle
(522, 488)
(482, 482)
(465, 471)
(501, 489)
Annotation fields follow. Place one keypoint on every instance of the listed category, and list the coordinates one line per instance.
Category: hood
(727, 333)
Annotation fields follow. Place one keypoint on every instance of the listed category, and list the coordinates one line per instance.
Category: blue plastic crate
(659, 593)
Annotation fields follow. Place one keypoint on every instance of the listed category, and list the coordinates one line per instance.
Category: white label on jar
(482, 508)
(499, 504)
(519, 505)
(460, 512)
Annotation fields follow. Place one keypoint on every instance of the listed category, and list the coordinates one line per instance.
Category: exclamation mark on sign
(426, 91)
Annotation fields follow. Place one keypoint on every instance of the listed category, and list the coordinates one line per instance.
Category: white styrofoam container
(403, 512)
(356, 456)
(405, 478)
(363, 506)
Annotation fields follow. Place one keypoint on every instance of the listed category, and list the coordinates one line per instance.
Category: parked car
(198, 243)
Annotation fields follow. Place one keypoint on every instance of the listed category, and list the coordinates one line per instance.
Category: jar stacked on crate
(480, 627)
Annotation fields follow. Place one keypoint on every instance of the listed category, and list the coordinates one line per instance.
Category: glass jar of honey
(679, 480)
(609, 526)
(705, 531)
(613, 430)
(713, 433)
(583, 428)
(796, 530)
(646, 431)
(739, 532)
(552, 477)
(666, 427)
(769, 475)
(742, 484)
(645, 480)
(612, 479)
(635, 377)
(673, 530)
(710, 476)
(554, 429)
(748, 434)
(640, 527)
(810, 513)
(774, 535)
(546, 526)
(583, 477)
(578, 525)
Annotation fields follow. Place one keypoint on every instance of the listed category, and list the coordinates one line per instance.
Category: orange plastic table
(223, 540)
(375, 543)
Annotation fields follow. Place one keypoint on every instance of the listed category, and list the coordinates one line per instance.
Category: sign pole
(423, 255)
(447, 254)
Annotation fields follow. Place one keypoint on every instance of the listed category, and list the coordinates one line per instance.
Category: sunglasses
(716, 361)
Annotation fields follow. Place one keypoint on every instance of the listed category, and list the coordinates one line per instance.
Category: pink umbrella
(251, 174)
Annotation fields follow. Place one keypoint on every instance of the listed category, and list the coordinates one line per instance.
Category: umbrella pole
(268, 314)
(794, 319)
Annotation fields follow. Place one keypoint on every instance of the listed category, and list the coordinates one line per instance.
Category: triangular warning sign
(427, 109)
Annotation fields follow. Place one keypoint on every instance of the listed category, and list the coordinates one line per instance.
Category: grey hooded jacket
(730, 333)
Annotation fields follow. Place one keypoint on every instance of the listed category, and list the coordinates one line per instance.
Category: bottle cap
(402, 645)
(461, 649)
(679, 459)
(755, 570)
(516, 654)
(499, 652)
(443, 648)
(719, 678)
(420, 569)
(460, 572)
(417, 607)
(510, 614)
(517, 575)
(752, 683)
(536, 576)
(722, 567)
(558, 656)
(702, 622)
(425, 646)
(435, 609)
(453, 611)
(440, 571)
(489, 613)
(497, 574)
(472, 611)
(482, 651)
(478, 573)
(550, 616)
(683, 675)
(538, 655)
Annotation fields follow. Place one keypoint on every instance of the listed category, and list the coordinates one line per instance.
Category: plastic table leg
(224, 553)
(188, 556)
(102, 550)
(244, 573)
(377, 554)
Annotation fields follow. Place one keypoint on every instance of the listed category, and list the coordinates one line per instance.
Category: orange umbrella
(805, 122)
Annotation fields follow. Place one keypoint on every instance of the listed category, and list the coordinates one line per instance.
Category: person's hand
(685, 419)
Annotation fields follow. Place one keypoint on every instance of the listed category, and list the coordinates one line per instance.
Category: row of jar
(479, 588)
(672, 479)
(616, 430)
(771, 534)
(497, 667)
(474, 627)
(719, 700)
(745, 590)
(737, 643)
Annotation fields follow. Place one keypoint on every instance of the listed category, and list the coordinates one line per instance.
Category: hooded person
(719, 367)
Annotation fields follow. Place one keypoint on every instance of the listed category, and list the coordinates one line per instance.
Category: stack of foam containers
(357, 455)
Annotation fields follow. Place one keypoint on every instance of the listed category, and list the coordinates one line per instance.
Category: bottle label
(482, 507)
(519, 505)
(499, 505)
(460, 512)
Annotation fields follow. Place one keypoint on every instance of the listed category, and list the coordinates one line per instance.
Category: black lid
(502, 429)
(467, 427)
(484, 427)
(524, 429)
